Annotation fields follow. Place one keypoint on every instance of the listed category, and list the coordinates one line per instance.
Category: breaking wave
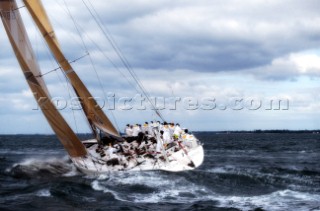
(162, 187)
(33, 168)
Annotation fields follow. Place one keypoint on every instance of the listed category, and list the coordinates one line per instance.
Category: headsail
(15, 29)
(92, 110)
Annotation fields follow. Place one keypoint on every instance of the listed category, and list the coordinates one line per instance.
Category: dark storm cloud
(207, 36)
(200, 56)
(203, 36)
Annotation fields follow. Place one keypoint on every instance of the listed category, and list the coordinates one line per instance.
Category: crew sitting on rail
(187, 138)
(111, 151)
(145, 127)
(136, 129)
(148, 141)
(129, 130)
(171, 128)
(140, 140)
(177, 130)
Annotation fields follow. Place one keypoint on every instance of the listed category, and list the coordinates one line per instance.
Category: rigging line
(49, 56)
(18, 8)
(74, 23)
(122, 58)
(111, 41)
(105, 96)
(73, 37)
(71, 92)
(66, 79)
(59, 68)
(73, 113)
(85, 46)
(97, 46)
(48, 72)
(21, 29)
(101, 51)
(113, 64)
(121, 55)
(81, 57)
(107, 34)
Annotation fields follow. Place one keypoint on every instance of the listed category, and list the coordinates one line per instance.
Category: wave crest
(43, 168)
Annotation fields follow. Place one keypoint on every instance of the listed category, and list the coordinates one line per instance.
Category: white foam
(30, 152)
(276, 201)
(72, 172)
(176, 189)
(222, 170)
(54, 165)
(151, 179)
(98, 187)
(166, 187)
(44, 193)
(256, 173)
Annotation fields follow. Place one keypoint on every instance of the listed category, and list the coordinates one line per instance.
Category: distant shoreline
(261, 131)
(217, 132)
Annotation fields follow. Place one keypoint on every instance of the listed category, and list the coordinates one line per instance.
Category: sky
(209, 65)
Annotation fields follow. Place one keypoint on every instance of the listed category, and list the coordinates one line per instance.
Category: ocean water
(240, 172)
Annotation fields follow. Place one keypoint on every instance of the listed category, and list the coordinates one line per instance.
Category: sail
(16, 32)
(96, 117)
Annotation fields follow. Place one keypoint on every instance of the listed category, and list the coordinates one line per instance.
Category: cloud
(201, 36)
(213, 37)
(290, 67)
(251, 49)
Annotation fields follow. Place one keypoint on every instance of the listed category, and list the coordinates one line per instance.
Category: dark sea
(240, 172)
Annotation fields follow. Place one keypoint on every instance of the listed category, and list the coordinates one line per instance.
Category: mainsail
(15, 29)
(93, 112)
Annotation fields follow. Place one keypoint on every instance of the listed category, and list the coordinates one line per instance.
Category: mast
(20, 43)
(94, 114)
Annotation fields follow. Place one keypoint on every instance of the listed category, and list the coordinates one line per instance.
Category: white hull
(182, 160)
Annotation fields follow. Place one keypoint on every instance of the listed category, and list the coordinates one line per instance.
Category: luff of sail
(16, 32)
(92, 110)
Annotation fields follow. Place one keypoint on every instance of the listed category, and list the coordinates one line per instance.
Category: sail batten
(20, 43)
(91, 109)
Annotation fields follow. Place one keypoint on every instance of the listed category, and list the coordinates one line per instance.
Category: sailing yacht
(89, 156)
